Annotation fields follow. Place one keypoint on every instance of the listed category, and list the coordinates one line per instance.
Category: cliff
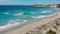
(47, 5)
(55, 5)
(40, 5)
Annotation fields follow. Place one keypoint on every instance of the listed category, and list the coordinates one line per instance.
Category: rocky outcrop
(55, 5)
(40, 5)
(47, 5)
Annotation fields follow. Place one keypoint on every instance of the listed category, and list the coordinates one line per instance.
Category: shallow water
(10, 15)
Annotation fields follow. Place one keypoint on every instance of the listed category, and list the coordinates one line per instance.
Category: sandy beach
(30, 25)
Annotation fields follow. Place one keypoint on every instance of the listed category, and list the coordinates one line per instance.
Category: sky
(28, 2)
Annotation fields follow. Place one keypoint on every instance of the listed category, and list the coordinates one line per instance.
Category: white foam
(43, 16)
(46, 11)
(7, 26)
(11, 23)
(34, 17)
(6, 12)
(18, 14)
(51, 15)
(25, 20)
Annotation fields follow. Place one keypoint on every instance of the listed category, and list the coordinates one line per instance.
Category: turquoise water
(19, 14)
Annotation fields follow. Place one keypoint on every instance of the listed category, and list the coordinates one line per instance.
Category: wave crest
(6, 12)
(12, 23)
(43, 16)
(46, 11)
(18, 14)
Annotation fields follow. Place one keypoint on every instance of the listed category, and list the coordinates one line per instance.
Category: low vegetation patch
(51, 32)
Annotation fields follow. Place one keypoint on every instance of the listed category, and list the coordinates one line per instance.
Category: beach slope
(32, 25)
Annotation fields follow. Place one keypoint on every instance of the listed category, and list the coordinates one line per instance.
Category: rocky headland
(47, 5)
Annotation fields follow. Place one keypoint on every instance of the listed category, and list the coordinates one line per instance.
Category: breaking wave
(46, 11)
(18, 14)
(43, 16)
(12, 23)
(6, 12)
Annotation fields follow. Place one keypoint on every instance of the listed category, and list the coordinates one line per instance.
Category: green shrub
(51, 32)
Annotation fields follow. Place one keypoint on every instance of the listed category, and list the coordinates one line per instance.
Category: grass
(51, 32)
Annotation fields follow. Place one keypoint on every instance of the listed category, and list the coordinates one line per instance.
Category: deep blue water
(10, 14)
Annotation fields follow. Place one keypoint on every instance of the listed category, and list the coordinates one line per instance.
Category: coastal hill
(39, 5)
(47, 5)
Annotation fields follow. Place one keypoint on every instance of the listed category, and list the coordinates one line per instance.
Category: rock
(47, 5)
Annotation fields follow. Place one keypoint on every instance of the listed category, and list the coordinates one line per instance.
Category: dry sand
(32, 25)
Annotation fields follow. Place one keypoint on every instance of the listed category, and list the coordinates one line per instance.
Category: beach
(30, 25)
(23, 17)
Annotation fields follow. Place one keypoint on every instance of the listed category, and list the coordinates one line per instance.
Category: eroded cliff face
(47, 5)
(39, 5)
(55, 5)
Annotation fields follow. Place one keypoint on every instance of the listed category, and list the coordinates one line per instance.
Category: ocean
(17, 14)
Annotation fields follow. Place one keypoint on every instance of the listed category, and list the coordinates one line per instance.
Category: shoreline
(23, 23)
(19, 27)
